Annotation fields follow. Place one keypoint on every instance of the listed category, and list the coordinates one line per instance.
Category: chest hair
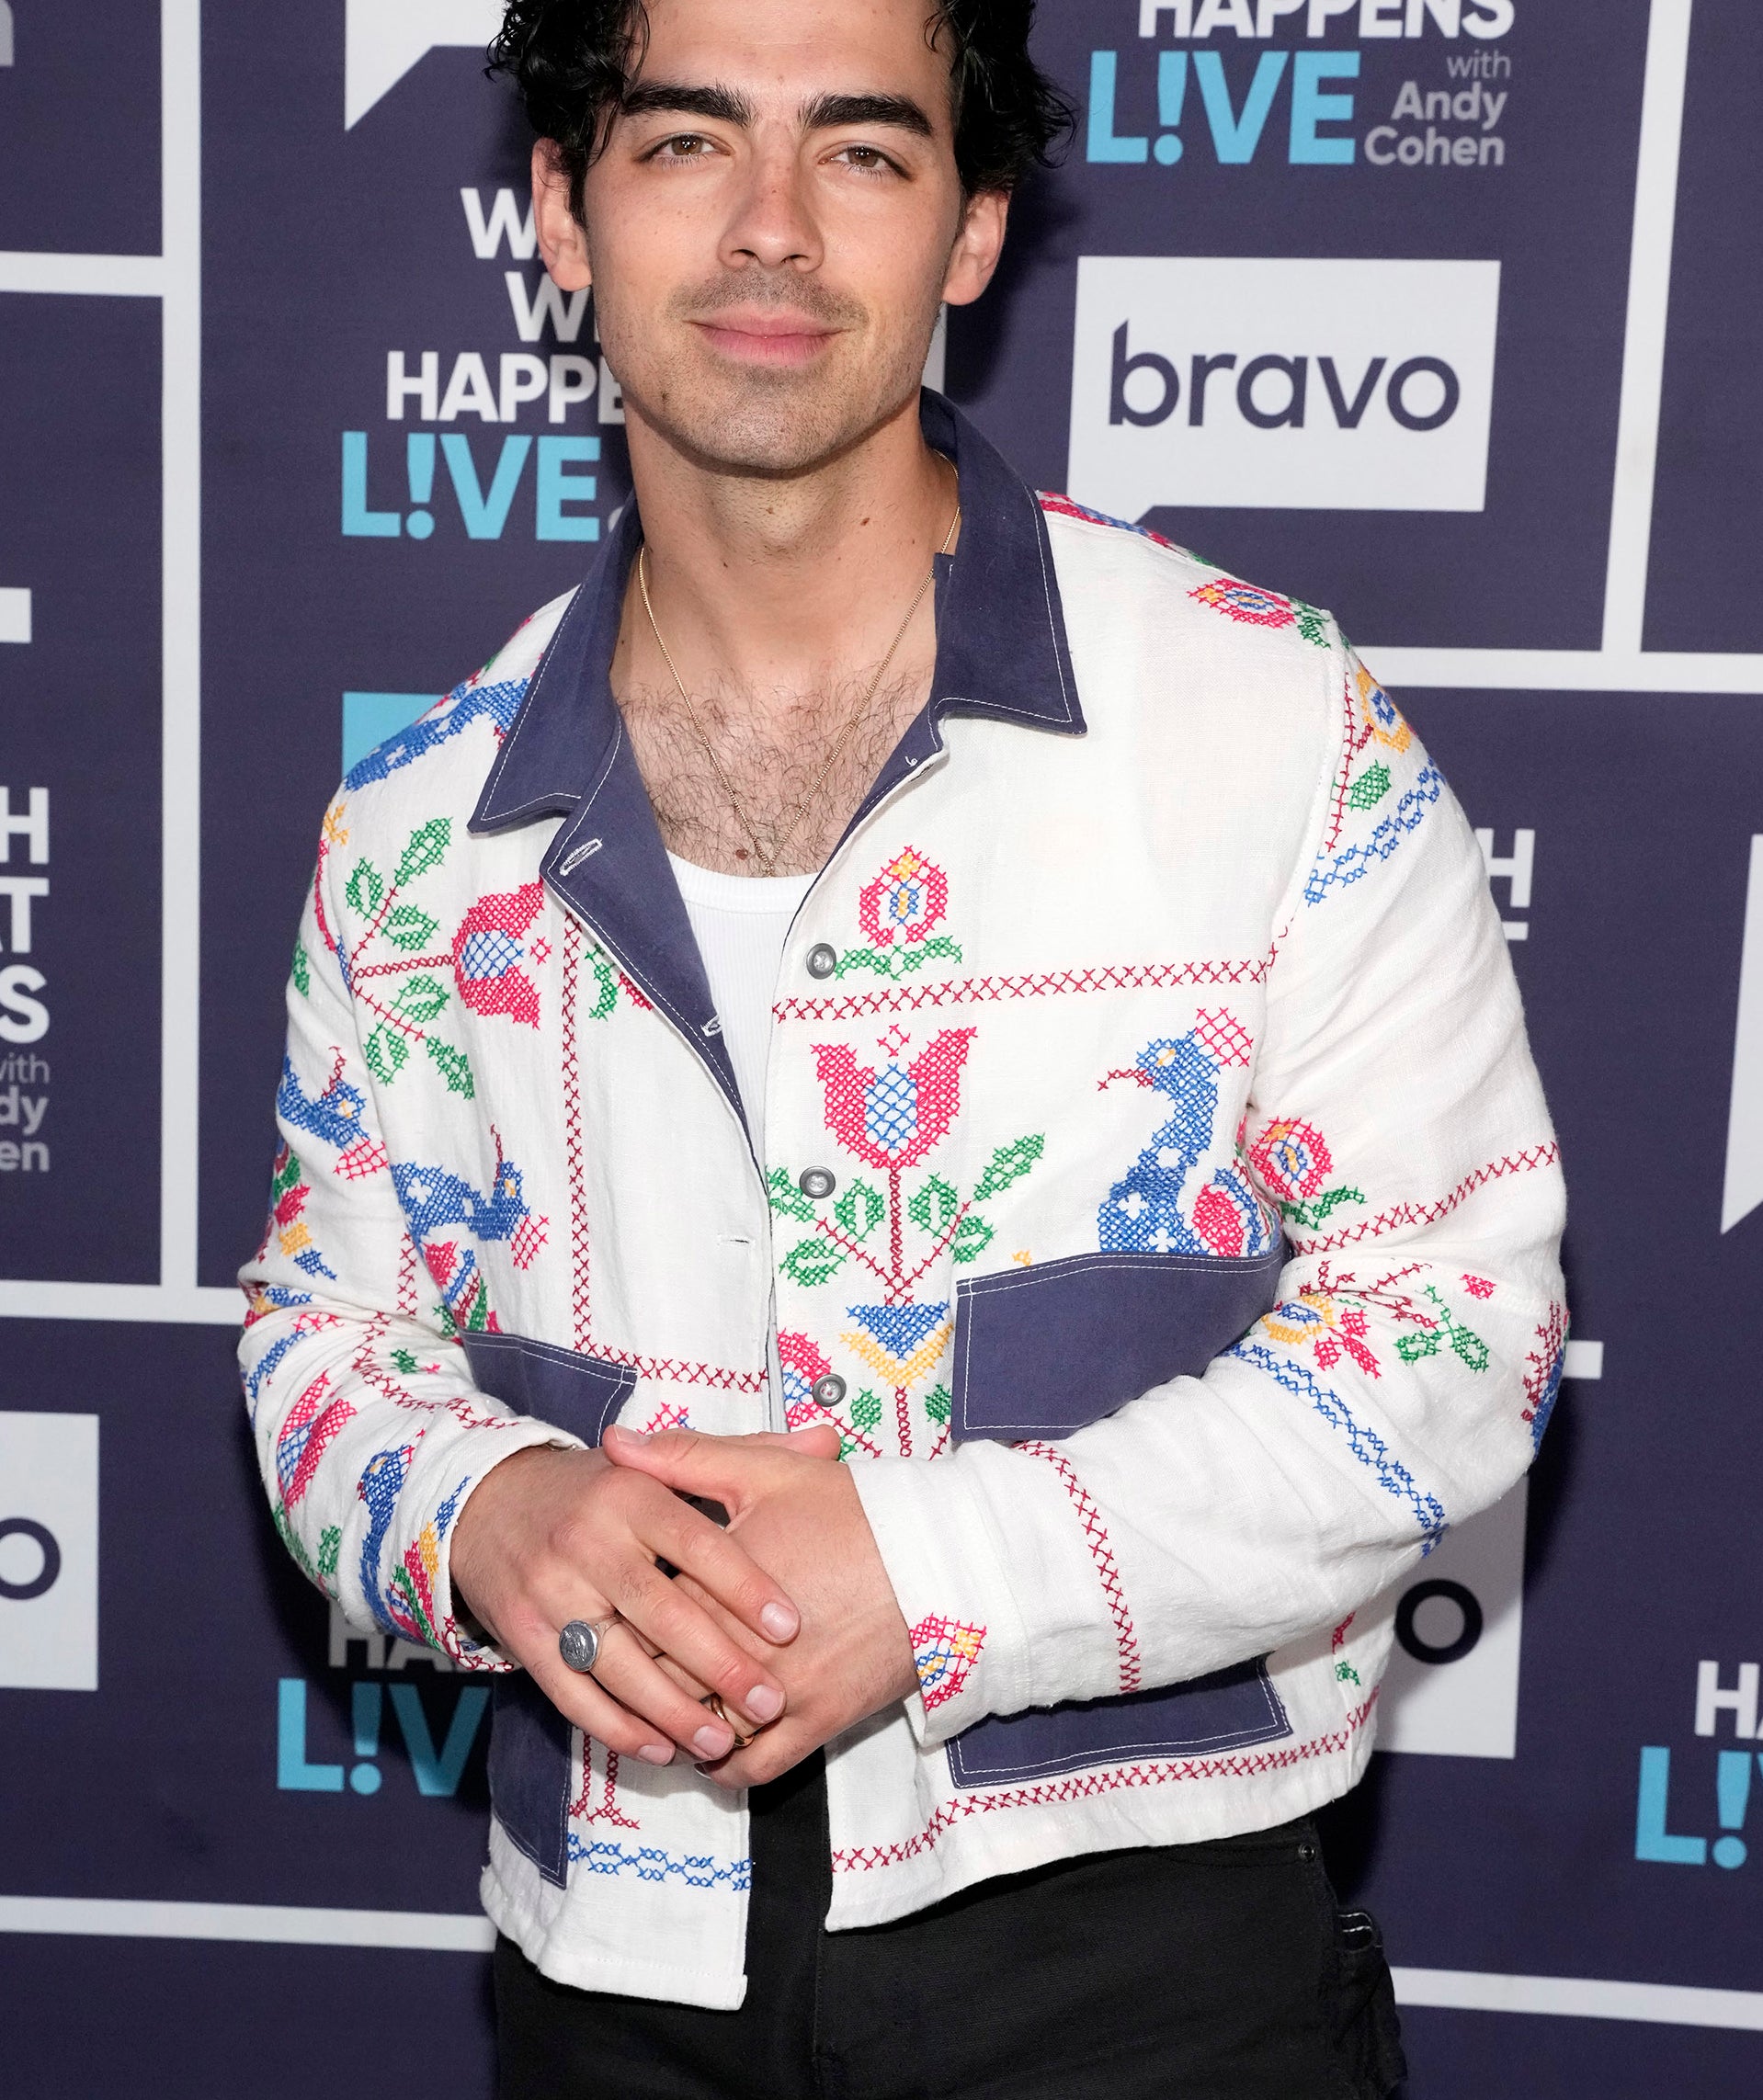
(773, 754)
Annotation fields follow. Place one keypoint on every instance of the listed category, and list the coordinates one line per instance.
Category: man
(898, 970)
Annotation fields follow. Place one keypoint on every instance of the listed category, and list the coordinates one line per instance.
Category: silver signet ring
(579, 1643)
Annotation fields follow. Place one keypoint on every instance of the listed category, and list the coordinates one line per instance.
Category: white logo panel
(49, 1552)
(1298, 384)
(1452, 1687)
(383, 38)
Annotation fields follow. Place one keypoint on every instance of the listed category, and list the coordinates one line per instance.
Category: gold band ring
(714, 1702)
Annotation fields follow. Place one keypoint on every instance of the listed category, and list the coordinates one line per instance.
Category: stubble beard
(756, 423)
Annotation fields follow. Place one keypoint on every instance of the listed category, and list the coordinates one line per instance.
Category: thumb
(688, 1459)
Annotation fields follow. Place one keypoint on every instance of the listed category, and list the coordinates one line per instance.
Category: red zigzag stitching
(581, 1316)
(1082, 1785)
(1103, 1552)
(1430, 1213)
(975, 991)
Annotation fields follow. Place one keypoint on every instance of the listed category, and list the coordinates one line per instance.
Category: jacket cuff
(416, 1580)
(969, 1641)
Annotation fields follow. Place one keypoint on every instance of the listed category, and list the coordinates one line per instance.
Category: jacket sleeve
(369, 1433)
(1396, 1128)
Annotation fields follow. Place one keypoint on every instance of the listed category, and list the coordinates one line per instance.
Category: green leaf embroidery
(1466, 1346)
(973, 1236)
(895, 963)
(420, 999)
(329, 1543)
(426, 848)
(932, 1206)
(1009, 1164)
(812, 1262)
(387, 1053)
(408, 927)
(860, 1209)
(866, 1409)
(364, 888)
(787, 1199)
(405, 1361)
(1316, 1211)
(1312, 624)
(455, 1068)
(605, 979)
(1470, 1347)
(938, 1404)
(1370, 789)
(302, 971)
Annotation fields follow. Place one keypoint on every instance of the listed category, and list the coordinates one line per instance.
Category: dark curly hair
(574, 62)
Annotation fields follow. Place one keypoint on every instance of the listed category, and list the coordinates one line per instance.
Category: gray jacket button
(818, 1181)
(828, 1390)
(822, 959)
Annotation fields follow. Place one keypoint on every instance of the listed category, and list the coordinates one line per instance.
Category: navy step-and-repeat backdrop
(1444, 314)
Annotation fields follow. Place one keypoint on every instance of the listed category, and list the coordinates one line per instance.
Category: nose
(773, 223)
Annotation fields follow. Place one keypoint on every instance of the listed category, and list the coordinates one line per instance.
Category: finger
(682, 1677)
(642, 1686)
(725, 1469)
(671, 1531)
(770, 1756)
(818, 1440)
(596, 1712)
(659, 1609)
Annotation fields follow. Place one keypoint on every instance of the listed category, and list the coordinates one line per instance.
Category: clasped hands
(787, 1615)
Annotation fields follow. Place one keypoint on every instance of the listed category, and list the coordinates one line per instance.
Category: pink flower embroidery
(907, 898)
(891, 1117)
(1292, 1158)
(488, 951)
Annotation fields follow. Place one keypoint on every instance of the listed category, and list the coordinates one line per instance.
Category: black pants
(1218, 1972)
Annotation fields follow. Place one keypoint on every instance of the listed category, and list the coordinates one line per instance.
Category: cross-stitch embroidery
(1373, 723)
(890, 1116)
(432, 1199)
(1293, 1161)
(457, 711)
(1142, 1211)
(898, 912)
(1542, 1369)
(1256, 607)
(943, 1652)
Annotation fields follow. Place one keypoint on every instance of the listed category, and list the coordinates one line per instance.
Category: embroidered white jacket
(1190, 1264)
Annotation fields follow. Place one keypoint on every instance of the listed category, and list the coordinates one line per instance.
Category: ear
(561, 241)
(977, 246)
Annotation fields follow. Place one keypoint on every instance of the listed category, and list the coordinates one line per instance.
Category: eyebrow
(729, 106)
(826, 112)
(721, 105)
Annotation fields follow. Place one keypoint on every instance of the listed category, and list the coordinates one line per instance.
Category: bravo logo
(1294, 384)
(1452, 1688)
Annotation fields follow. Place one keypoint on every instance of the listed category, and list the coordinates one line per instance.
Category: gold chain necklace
(768, 859)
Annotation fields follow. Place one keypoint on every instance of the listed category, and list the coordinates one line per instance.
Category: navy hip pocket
(1046, 1350)
(530, 1739)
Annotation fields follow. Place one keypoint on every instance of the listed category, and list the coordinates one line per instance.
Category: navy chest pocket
(1045, 1351)
(530, 1761)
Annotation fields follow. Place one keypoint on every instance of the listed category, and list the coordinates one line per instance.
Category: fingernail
(657, 1753)
(635, 1436)
(712, 1742)
(780, 1621)
(763, 1703)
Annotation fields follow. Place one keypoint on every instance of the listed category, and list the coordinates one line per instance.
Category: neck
(772, 583)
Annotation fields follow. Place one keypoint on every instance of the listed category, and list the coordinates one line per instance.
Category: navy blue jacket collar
(1001, 651)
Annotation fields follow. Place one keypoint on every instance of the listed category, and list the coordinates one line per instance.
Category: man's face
(772, 225)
